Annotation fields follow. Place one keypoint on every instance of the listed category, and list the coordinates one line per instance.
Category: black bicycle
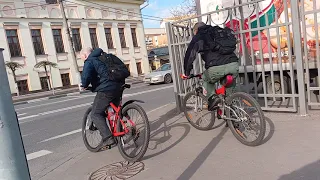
(239, 110)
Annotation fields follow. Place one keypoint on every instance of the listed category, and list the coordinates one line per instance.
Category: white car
(161, 75)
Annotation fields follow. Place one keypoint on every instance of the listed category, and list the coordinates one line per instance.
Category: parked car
(161, 75)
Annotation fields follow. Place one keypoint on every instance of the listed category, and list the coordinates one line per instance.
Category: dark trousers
(100, 105)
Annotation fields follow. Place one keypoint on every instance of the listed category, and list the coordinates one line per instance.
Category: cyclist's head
(85, 52)
(196, 27)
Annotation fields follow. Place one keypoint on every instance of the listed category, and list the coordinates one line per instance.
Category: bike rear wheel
(138, 136)
(245, 108)
(89, 129)
(195, 109)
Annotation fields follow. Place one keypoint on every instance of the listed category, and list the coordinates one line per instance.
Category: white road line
(38, 154)
(159, 108)
(79, 130)
(83, 105)
(62, 135)
(40, 105)
(21, 114)
(28, 117)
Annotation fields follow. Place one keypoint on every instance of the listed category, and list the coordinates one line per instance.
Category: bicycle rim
(134, 144)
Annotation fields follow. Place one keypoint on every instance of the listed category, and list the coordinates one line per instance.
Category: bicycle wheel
(138, 136)
(245, 108)
(196, 111)
(89, 130)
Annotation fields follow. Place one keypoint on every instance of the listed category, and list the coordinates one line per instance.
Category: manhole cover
(117, 171)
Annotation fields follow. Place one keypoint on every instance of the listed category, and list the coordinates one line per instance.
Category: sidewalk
(178, 151)
(23, 99)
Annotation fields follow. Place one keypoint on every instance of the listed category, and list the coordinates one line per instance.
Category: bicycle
(121, 127)
(227, 109)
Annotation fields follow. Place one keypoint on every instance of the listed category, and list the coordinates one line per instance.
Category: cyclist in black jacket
(217, 65)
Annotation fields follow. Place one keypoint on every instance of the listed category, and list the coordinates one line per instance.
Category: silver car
(161, 75)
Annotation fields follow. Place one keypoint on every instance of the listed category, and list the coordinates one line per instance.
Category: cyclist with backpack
(106, 73)
(216, 46)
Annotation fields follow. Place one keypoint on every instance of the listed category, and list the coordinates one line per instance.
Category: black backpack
(220, 39)
(117, 70)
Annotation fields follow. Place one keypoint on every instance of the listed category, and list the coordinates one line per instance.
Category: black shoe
(108, 141)
(213, 102)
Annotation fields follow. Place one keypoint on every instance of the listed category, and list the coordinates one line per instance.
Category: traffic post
(13, 161)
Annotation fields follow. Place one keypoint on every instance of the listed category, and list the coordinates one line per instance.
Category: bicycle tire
(212, 120)
(145, 145)
(84, 137)
(253, 102)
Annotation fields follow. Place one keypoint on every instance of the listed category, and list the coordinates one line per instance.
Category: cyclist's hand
(183, 76)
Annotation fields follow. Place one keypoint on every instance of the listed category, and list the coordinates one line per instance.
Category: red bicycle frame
(113, 124)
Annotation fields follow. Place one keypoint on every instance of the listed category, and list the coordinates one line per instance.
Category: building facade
(31, 32)
(156, 37)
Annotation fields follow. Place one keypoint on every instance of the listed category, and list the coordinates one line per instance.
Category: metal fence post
(174, 68)
(13, 162)
(296, 27)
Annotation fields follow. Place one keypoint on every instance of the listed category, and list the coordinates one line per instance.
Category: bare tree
(13, 66)
(45, 65)
(187, 8)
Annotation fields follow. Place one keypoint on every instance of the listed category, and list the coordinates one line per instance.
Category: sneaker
(107, 142)
(213, 102)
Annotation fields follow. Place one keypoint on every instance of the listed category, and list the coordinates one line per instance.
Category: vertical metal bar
(316, 25)
(287, 20)
(299, 58)
(181, 58)
(270, 56)
(244, 48)
(13, 162)
(253, 60)
(175, 77)
(261, 57)
(279, 54)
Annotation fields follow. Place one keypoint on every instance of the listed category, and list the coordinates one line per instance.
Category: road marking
(21, 114)
(159, 108)
(79, 130)
(28, 117)
(40, 105)
(62, 135)
(38, 154)
(52, 112)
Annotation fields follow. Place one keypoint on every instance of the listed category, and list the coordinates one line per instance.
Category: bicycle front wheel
(90, 133)
(250, 126)
(195, 109)
(134, 144)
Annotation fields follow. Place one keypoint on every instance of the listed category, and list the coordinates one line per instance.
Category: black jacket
(95, 73)
(211, 58)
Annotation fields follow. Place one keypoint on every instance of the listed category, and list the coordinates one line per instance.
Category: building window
(58, 42)
(122, 38)
(23, 87)
(134, 37)
(44, 83)
(93, 36)
(76, 39)
(51, 1)
(139, 69)
(37, 41)
(65, 78)
(13, 42)
(109, 38)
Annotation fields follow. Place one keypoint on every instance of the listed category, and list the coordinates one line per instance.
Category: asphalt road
(51, 129)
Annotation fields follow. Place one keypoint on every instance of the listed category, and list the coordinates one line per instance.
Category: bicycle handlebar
(191, 76)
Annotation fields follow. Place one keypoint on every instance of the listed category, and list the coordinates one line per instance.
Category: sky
(158, 8)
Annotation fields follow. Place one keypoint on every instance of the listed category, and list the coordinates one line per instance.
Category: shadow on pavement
(271, 130)
(308, 172)
(162, 135)
(196, 164)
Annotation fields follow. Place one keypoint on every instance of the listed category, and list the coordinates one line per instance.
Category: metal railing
(278, 51)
